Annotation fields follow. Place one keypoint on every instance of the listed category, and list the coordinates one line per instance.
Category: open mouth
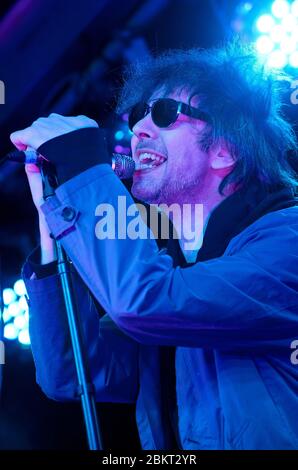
(149, 161)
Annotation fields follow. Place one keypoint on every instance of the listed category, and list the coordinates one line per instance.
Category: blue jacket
(231, 319)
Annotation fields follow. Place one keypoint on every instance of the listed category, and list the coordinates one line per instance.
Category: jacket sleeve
(244, 299)
(112, 355)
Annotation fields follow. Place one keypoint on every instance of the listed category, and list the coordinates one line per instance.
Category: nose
(145, 128)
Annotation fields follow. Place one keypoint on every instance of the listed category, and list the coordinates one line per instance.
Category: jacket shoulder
(275, 229)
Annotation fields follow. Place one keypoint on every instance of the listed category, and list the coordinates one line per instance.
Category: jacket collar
(232, 216)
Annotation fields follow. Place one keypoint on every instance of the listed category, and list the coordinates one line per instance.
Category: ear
(221, 157)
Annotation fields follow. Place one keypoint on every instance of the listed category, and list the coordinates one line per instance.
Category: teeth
(144, 156)
(149, 160)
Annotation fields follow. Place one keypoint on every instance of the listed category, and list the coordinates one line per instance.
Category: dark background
(67, 57)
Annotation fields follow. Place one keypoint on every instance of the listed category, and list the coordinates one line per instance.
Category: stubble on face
(177, 191)
(179, 179)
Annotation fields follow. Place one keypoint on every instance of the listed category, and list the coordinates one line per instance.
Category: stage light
(10, 331)
(119, 135)
(118, 149)
(6, 317)
(278, 33)
(19, 287)
(247, 6)
(277, 59)
(280, 8)
(15, 314)
(265, 23)
(23, 303)
(9, 296)
(278, 42)
(264, 44)
(24, 337)
(288, 45)
(121, 149)
(14, 309)
(20, 322)
(294, 8)
(293, 59)
(289, 23)
(294, 34)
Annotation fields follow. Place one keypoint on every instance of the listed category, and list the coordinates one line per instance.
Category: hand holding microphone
(41, 133)
(55, 139)
(44, 129)
(71, 153)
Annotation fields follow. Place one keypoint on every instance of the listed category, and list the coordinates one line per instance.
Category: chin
(145, 194)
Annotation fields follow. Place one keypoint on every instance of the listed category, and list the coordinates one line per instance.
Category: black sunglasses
(164, 112)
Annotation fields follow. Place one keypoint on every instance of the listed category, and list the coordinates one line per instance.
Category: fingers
(35, 183)
(44, 129)
(20, 139)
(31, 168)
(78, 122)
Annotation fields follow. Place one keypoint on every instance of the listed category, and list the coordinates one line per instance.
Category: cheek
(133, 143)
(133, 139)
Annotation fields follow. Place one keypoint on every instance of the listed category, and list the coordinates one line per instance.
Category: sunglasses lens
(137, 113)
(164, 112)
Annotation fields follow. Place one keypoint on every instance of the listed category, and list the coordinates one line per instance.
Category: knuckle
(85, 118)
(92, 122)
(39, 121)
(14, 135)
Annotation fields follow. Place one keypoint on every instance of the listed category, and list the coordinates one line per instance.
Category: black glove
(76, 151)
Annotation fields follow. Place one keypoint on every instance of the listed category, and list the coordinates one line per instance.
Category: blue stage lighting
(293, 59)
(23, 303)
(9, 296)
(288, 45)
(119, 135)
(19, 287)
(294, 8)
(277, 59)
(280, 8)
(20, 322)
(10, 331)
(6, 317)
(289, 23)
(15, 314)
(24, 337)
(278, 42)
(265, 23)
(278, 33)
(14, 309)
(264, 44)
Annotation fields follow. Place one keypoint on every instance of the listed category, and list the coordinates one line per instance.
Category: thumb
(31, 167)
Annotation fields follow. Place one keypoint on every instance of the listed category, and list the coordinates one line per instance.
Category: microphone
(122, 165)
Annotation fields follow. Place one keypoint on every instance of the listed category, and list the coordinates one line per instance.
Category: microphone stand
(86, 389)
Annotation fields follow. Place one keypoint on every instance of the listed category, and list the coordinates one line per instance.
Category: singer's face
(180, 168)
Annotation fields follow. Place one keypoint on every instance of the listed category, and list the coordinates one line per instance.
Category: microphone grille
(123, 165)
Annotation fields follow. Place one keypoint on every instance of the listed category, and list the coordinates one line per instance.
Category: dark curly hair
(243, 99)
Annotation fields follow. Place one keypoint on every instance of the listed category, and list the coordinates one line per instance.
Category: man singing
(199, 338)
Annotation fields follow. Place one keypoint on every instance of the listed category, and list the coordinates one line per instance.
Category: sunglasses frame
(181, 108)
